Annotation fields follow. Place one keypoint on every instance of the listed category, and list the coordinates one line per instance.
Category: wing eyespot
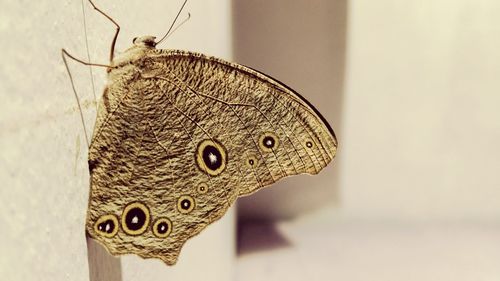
(135, 218)
(251, 161)
(185, 204)
(162, 227)
(309, 144)
(106, 226)
(268, 142)
(202, 188)
(211, 157)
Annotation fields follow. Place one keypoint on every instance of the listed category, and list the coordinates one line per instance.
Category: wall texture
(43, 162)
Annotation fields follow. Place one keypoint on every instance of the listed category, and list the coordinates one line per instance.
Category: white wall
(43, 162)
(421, 112)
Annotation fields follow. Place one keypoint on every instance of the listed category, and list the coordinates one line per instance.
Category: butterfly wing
(250, 108)
(180, 136)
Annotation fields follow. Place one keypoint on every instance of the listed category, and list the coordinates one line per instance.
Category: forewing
(251, 108)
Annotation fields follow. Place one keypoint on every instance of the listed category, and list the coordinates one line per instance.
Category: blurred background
(411, 88)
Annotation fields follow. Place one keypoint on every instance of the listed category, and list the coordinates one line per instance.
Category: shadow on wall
(255, 236)
(302, 44)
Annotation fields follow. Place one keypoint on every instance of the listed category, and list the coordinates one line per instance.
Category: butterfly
(179, 136)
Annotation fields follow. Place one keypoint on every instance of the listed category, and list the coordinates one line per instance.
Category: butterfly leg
(113, 43)
(65, 54)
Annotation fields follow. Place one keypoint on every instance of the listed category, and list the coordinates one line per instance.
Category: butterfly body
(180, 135)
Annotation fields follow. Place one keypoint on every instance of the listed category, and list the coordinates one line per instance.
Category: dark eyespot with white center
(106, 226)
(185, 204)
(268, 141)
(251, 161)
(162, 228)
(211, 157)
(135, 218)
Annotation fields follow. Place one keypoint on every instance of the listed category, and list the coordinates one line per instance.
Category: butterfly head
(145, 41)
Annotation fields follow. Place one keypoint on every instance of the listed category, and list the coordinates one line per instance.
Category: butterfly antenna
(173, 23)
(179, 25)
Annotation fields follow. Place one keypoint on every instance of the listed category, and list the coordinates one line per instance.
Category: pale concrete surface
(318, 248)
(43, 162)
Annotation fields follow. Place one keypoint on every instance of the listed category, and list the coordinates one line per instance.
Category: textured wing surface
(247, 109)
(179, 137)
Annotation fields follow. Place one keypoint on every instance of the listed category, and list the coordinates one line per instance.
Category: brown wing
(250, 107)
(180, 136)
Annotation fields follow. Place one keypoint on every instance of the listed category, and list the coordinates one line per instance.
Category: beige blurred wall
(412, 89)
(421, 111)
